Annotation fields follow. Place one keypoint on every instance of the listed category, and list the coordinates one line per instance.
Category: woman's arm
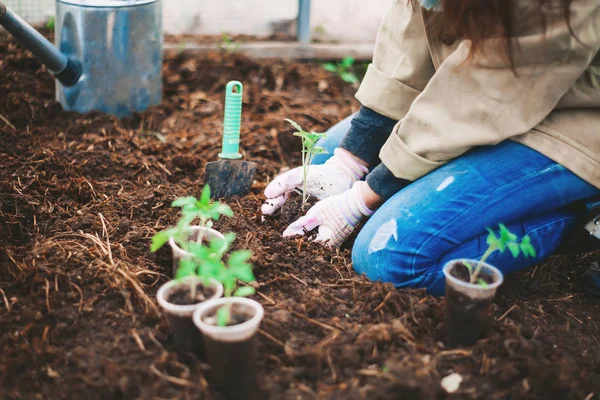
(482, 101)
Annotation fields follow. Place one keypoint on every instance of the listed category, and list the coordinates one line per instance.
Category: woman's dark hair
(479, 20)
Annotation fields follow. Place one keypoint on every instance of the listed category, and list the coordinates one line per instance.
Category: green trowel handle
(232, 121)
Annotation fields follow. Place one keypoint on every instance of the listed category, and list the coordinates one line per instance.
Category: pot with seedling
(294, 208)
(471, 286)
(180, 236)
(230, 326)
(195, 283)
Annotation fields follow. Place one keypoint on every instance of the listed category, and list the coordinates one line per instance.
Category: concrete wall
(343, 20)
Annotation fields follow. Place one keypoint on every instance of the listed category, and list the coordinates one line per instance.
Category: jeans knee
(384, 256)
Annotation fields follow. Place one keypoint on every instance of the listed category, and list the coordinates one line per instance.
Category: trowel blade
(228, 178)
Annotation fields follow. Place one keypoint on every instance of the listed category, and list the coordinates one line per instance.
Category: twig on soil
(6, 303)
(13, 260)
(590, 396)
(272, 338)
(296, 278)
(312, 321)
(331, 366)
(138, 340)
(48, 296)
(108, 249)
(172, 379)
(162, 166)
(575, 318)
(7, 122)
(264, 296)
(155, 340)
(514, 306)
(386, 298)
(80, 296)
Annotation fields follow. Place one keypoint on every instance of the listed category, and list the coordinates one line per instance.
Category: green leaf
(187, 267)
(239, 257)
(492, 240)
(160, 239)
(514, 249)
(184, 201)
(469, 266)
(527, 248)
(205, 196)
(223, 316)
(295, 125)
(224, 209)
(506, 236)
(347, 62)
(482, 283)
(244, 291)
(243, 273)
(349, 77)
(330, 67)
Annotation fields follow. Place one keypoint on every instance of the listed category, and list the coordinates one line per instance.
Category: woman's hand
(337, 216)
(337, 175)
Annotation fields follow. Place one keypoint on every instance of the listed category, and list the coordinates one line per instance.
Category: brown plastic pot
(231, 351)
(179, 253)
(186, 337)
(467, 305)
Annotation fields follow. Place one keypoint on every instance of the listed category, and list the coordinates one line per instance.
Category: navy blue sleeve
(367, 135)
(384, 183)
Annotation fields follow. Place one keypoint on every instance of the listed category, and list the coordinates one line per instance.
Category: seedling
(227, 44)
(203, 209)
(343, 69)
(50, 23)
(505, 240)
(207, 263)
(309, 151)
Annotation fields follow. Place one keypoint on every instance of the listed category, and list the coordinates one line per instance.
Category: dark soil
(182, 296)
(81, 196)
(461, 272)
(292, 209)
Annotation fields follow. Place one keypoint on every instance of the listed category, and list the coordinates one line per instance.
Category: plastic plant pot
(186, 337)
(231, 351)
(467, 305)
(179, 253)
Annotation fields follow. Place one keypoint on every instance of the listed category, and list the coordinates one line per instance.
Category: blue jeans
(444, 215)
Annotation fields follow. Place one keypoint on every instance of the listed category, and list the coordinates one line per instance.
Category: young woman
(474, 113)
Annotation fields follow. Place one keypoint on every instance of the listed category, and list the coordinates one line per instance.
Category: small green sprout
(207, 263)
(227, 44)
(505, 240)
(343, 69)
(51, 23)
(309, 151)
(203, 209)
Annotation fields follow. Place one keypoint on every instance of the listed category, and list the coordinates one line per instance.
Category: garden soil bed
(81, 196)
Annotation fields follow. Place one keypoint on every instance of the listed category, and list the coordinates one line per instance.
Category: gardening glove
(336, 217)
(334, 177)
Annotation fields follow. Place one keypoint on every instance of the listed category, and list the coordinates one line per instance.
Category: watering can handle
(66, 70)
(232, 121)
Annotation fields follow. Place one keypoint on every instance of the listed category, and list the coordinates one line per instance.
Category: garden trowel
(231, 176)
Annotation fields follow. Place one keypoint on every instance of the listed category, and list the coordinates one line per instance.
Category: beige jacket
(447, 105)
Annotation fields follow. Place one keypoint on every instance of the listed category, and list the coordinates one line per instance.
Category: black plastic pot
(467, 305)
(231, 351)
(186, 337)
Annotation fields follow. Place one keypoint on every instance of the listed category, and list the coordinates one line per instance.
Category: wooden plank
(288, 50)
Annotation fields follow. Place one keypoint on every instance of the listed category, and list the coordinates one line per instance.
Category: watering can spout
(68, 71)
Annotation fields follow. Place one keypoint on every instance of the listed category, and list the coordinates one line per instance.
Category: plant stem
(485, 256)
(305, 172)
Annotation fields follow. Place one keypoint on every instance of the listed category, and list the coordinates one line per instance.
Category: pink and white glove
(334, 177)
(336, 217)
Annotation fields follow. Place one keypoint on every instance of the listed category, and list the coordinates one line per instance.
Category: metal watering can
(108, 54)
